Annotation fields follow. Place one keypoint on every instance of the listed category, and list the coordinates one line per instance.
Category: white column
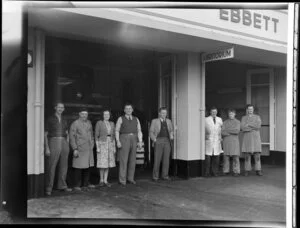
(35, 130)
(194, 102)
(191, 107)
(202, 111)
(182, 107)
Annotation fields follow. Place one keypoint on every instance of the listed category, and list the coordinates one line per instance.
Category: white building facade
(193, 76)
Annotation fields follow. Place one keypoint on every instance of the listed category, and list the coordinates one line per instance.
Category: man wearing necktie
(161, 132)
(128, 136)
(213, 139)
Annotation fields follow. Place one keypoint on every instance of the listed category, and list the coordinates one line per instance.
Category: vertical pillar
(190, 115)
(36, 81)
(202, 111)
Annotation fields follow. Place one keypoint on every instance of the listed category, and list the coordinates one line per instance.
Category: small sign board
(218, 55)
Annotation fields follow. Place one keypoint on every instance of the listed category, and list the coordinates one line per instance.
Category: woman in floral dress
(106, 147)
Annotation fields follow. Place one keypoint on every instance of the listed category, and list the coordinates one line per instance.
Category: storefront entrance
(100, 76)
(231, 84)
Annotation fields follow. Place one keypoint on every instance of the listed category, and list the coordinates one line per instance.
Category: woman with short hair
(106, 146)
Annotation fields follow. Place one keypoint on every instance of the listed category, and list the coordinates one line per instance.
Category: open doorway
(231, 84)
(101, 76)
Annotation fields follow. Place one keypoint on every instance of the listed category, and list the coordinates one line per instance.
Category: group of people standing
(223, 137)
(126, 135)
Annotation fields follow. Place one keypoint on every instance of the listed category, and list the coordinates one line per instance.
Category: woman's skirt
(106, 156)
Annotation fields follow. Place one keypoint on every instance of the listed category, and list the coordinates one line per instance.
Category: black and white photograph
(164, 113)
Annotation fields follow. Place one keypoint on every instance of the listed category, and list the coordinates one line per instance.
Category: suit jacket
(155, 128)
(101, 131)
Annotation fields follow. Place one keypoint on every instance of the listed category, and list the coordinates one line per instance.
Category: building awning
(124, 27)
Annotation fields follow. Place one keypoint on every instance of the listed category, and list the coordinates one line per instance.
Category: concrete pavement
(251, 198)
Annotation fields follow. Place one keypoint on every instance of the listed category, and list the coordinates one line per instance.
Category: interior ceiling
(76, 26)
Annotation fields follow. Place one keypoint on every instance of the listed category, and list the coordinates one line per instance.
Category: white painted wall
(192, 23)
(30, 109)
(182, 104)
(188, 113)
(194, 130)
(280, 109)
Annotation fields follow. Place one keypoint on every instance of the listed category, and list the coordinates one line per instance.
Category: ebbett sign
(250, 18)
(247, 24)
(219, 55)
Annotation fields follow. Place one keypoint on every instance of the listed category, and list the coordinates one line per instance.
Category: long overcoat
(250, 126)
(230, 133)
(82, 139)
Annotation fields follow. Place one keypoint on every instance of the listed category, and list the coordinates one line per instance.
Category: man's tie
(215, 120)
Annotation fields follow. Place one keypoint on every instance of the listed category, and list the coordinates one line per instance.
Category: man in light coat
(213, 148)
(82, 143)
(251, 145)
(161, 132)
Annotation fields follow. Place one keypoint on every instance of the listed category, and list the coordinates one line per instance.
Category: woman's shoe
(107, 184)
(101, 184)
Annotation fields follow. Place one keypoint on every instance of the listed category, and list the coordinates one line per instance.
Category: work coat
(213, 136)
(230, 133)
(250, 126)
(81, 138)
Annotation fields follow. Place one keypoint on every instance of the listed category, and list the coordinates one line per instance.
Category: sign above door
(218, 55)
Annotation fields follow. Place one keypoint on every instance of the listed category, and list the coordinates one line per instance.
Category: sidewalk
(251, 198)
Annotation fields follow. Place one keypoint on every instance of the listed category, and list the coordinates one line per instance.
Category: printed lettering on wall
(250, 18)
